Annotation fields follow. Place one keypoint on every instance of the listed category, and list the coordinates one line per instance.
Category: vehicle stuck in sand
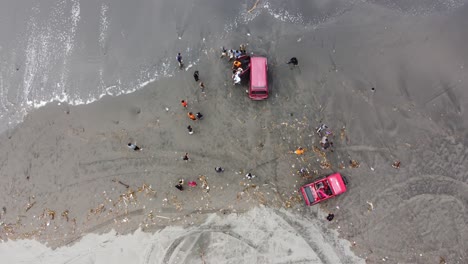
(324, 188)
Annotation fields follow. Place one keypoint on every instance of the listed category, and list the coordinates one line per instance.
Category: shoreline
(65, 162)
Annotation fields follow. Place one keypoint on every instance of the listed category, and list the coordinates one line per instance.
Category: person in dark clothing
(196, 76)
(179, 60)
(199, 116)
(330, 217)
(219, 169)
(293, 61)
(180, 185)
(190, 130)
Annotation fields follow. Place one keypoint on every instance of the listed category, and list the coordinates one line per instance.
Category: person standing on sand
(299, 151)
(180, 185)
(179, 60)
(186, 157)
(133, 147)
(325, 143)
(190, 130)
(192, 116)
(196, 76)
(184, 103)
(199, 116)
(219, 169)
(242, 48)
(293, 61)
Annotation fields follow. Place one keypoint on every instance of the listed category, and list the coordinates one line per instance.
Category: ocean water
(78, 51)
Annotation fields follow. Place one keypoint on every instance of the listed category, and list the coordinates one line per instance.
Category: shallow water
(78, 51)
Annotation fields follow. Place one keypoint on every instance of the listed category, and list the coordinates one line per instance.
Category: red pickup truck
(324, 188)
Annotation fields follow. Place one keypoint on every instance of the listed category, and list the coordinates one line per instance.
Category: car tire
(345, 180)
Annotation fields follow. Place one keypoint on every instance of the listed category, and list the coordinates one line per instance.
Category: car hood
(337, 184)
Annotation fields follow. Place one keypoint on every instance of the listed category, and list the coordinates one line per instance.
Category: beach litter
(48, 212)
(121, 183)
(205, 185)
(354, 164)
(65, 214)
(370, 206)
(30, 205)
(396, 164)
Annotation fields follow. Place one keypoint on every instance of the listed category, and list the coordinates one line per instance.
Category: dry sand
(70, 159)
(259, 236)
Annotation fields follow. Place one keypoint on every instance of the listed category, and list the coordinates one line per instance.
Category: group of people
(232, 53)
(195, 117)
(325, 133)
(237, 67)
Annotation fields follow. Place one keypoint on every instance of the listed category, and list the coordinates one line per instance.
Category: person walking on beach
(196, 76)
(293, 61)
(190, 130)
(199, 116)
(133, 147)
(186, 157)
(179, 60)
(184, 103)
(219, 169)
(192, 116)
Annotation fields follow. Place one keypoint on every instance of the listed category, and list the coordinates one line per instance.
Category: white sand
(260, 236)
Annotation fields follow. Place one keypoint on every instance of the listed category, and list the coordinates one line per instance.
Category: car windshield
(258, 92)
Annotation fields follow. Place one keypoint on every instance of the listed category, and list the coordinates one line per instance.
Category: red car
(258, 89)
(324, 188)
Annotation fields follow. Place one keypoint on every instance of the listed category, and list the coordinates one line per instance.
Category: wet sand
(70, 159)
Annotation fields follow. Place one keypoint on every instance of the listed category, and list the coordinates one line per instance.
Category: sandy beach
(388, 78)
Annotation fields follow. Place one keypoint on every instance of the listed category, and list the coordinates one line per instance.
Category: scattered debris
(205, 186)
(101, 208)
(126, 185)
(343, 135)
(49, 213)
(354, 164)
(30, 205)
(396, 164)
(146, 188)
(65, 214)
(442, 260)
(325, 164)
(253, 7)
(371, 206)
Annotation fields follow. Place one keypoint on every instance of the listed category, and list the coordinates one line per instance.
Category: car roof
(258, 73)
